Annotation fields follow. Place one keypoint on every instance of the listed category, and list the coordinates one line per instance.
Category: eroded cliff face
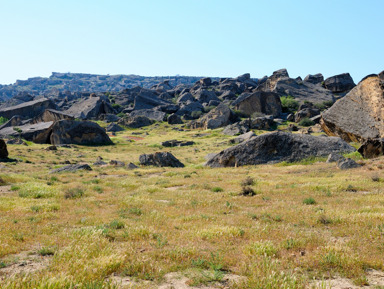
(360, 114)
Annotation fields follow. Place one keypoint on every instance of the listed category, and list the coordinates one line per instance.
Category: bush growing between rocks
(289, 104)
(306, 122)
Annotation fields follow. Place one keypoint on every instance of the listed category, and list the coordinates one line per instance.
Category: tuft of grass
(217, 189)
(74, 193)
(46, 251)
(309, 201)
(116, 225)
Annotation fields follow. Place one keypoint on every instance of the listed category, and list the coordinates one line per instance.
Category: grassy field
(112, 227)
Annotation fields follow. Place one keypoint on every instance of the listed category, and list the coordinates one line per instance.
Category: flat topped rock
(278, 147)
(72, 168)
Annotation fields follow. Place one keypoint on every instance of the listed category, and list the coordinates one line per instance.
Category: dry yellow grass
(305, 222)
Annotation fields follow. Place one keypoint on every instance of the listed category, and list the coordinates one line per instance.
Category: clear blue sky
(190, 37)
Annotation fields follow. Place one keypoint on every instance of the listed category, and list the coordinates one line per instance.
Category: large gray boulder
(278, 147)
(147, 99)
(30, 132)
(152, 114)
(28, 109)
(76, 132)
(90, 108)
(314, 79)
(160, 159)
(302, 90)
(260, 102)
(339, 83)
(205, 96)
(359, 115)
(136, 121)
(218, 117)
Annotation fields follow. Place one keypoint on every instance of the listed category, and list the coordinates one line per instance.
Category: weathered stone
(114, 127)
(174, 119)
(77, 132)
(334, 157)
(160, 159)
(259, 102)
(237, 128)
(136, 121)
(217, 117)
(205, 96)
(90, 108)
(28, 109)
(146, 99)
(339, 83)
(72, 168)
(242, 138)
(116, 163)
(206, 81)
(306, 113)
(359, 115)
(262, 123)
(184, 98)
(345, 164)
(302, 91)
(109, 117)
(372, 148)
(3, 149)
(149, 113)
(177, 143)
(314, 79)
(277, 147)
(30, 132)
(131, 166)
(51, 115)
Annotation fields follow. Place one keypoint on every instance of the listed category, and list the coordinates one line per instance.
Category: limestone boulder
(339, 83)
(29, 109)
(160, 159)
(77, 132)
(278, 147)
(359, 115)
(259, 102)
(218, 117)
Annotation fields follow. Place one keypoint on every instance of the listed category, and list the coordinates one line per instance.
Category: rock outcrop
(359, 115)
(30, 132)
(75, 132)
(160, 159)
(3, 149)
(339, 83)
(28, 109)
(259, 102)
(90, 108)
(278, 147)
(217, 117)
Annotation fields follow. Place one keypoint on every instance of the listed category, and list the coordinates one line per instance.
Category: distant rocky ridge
(78, 82)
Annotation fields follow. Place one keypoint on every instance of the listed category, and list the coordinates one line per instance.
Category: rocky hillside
(77, 82)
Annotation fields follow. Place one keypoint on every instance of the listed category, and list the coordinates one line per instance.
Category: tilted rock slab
(278, 147)
(360, 114)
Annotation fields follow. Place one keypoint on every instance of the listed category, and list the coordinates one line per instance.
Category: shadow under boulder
(278, 147)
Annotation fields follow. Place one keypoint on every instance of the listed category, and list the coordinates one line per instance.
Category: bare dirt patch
(5, 190)
(23, 263)
(375, 280)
